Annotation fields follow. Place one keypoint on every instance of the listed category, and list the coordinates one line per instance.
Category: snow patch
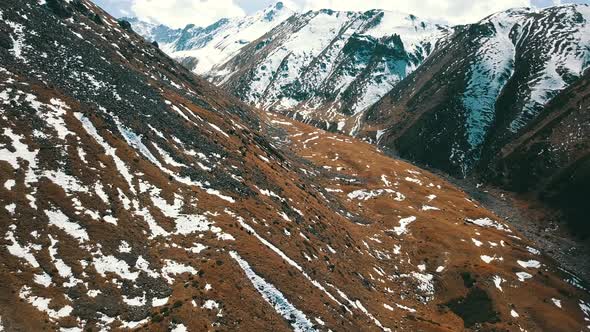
(487, 222)
(61, 221)
(530, 264)
(403, 224)
(274, 297)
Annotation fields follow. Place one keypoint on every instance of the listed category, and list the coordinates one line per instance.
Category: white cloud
(178, 13)
(451, 11)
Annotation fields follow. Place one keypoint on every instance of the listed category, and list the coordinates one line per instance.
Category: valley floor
(367, 182)
(540, 224)
(536, 221)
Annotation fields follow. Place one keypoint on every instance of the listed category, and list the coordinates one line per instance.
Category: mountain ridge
(302, 96)
(201, 48)
(363, 82)
(473, 93)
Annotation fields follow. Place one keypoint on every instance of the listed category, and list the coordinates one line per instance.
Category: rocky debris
(125, 25)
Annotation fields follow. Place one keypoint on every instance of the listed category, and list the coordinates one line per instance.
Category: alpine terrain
(500, 102)
(505, 100)
(201, 49)
(321, 66)
(135, 195)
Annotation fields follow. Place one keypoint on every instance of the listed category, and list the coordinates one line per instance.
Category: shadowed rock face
(136, 195)
(476, 93)
(550, 157)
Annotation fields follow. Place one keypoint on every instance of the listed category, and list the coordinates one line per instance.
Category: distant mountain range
(203, 49)
(339, 63)
(451, 98)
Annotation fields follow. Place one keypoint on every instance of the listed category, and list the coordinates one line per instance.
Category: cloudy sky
(178, 13)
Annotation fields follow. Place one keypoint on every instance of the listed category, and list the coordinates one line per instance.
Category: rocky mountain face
(476, 93)
(135, 195)
(484, 93)
(551, 156)
(321, 66)
(328, 65)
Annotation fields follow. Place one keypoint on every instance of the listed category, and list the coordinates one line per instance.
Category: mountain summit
(202, 48)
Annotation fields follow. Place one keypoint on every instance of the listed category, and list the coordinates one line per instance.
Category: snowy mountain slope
(553, 52)
(332, 63)
(162, 34)
(134, 195)
(562, 37)
(550, 156)
(201, 49)
(487, 83)
(492, 67)
(321, 65)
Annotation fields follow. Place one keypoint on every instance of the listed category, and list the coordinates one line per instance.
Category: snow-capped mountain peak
(337, 63)
(152, 31)
(201, 49)
(277, 10)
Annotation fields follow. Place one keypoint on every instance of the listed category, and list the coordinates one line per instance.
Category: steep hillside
(134, 195)
(476, 93)
(551, 157)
